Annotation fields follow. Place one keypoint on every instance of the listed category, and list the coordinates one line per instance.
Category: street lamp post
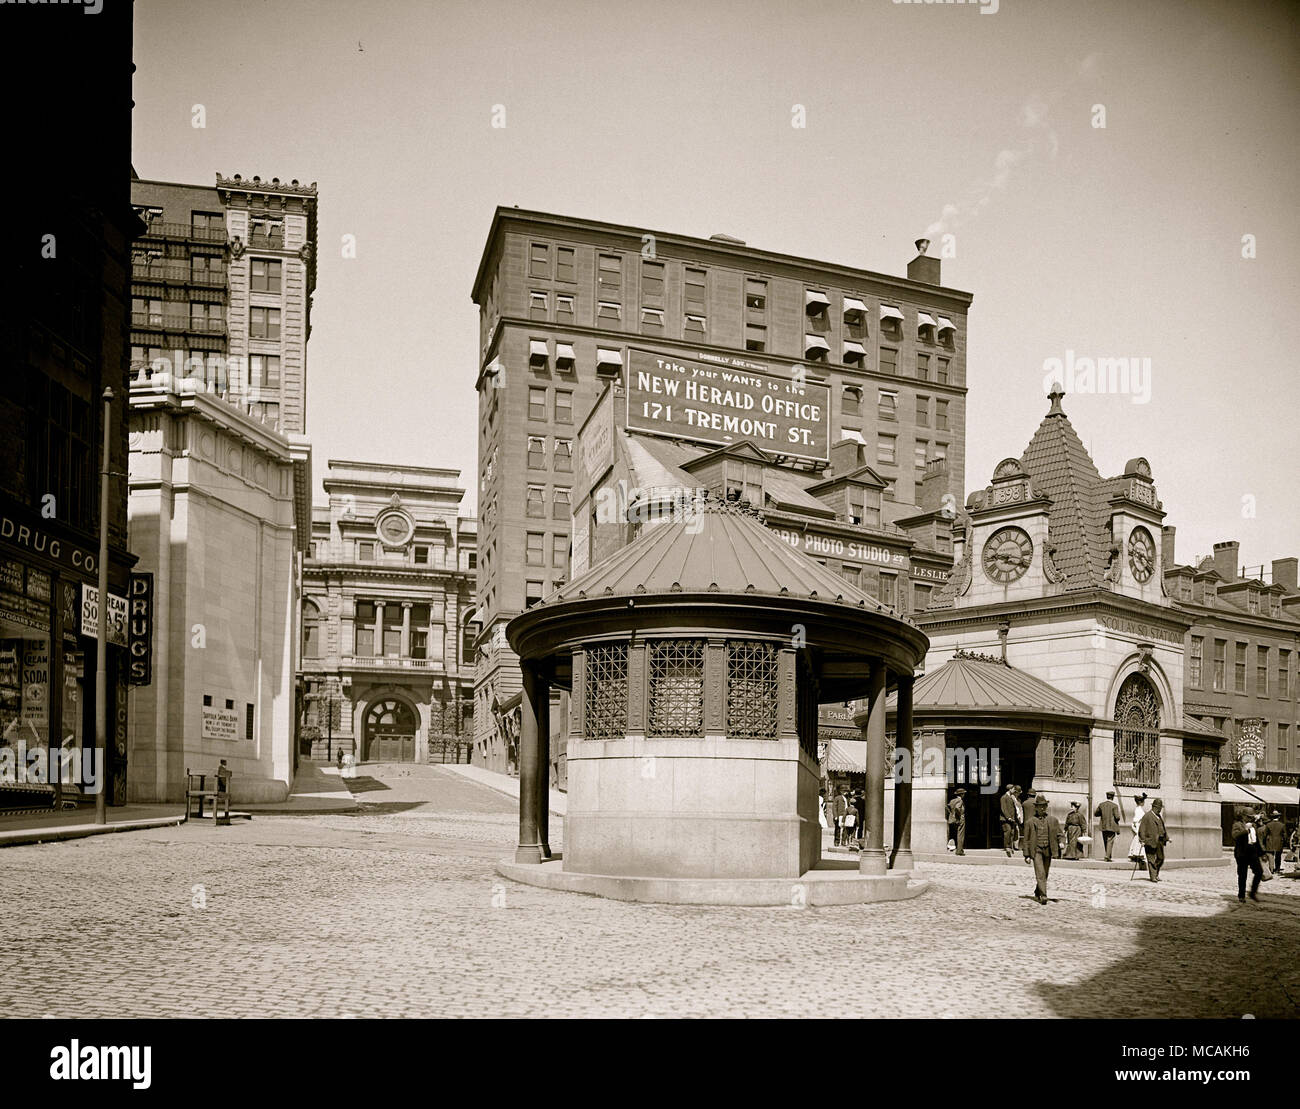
(101, 638)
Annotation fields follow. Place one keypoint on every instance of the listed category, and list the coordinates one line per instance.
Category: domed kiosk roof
(716, 569)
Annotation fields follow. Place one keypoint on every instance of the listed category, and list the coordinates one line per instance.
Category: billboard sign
(718, 404)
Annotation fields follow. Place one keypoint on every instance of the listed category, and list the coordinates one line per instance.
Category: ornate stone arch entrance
(389, 731)
(1137, 733)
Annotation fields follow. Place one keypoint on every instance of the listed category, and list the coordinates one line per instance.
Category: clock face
(394, 529)
(1007, 554)
(1141, 554)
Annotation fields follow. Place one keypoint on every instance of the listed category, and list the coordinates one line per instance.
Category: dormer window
(1252, 600)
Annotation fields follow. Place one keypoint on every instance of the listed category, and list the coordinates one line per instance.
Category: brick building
(567, 305)
(388, 616)
(1242, 651)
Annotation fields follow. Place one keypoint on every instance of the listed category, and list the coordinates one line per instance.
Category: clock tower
(1007, 550)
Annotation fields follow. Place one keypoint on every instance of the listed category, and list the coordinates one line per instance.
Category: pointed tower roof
(1078, 522)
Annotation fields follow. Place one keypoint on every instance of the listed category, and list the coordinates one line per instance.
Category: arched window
(1137, 733)
(311, 630)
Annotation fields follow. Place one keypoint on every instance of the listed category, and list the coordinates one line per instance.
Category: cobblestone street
(397, 911)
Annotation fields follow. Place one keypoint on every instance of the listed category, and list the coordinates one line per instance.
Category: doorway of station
(390, 732)
(984, 762)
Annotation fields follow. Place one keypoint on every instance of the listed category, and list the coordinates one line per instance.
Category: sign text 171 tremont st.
(714, 404)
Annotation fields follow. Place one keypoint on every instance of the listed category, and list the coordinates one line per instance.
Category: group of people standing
(845, 810)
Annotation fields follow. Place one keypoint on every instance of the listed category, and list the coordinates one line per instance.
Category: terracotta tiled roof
(1078, 523)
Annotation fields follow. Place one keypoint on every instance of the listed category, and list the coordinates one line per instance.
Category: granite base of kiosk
(828, 884)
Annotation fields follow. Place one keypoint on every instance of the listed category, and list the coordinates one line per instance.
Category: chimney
(1225, 559)
(934, 485)
(1284, 573)
(1167, 547)
(846, 456)
(923, 268)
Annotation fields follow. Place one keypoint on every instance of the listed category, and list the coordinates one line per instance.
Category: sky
(1169, 234)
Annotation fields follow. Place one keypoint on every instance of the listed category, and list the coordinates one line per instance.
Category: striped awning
(847, 756)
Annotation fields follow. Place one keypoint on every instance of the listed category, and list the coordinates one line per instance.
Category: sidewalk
(317, 790)
(503, 783)
(78, 823)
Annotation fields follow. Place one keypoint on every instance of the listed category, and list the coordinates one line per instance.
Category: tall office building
(567, 305)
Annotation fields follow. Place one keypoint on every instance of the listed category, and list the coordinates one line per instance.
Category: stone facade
(212, 517)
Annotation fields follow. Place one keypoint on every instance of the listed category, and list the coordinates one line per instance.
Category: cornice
(1095, 600)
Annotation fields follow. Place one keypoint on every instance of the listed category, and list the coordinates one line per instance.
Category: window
(1283, 672)
(563, 456)
(205, 317)
(563, 307)
(694, 325)
(887, 450)
(923, 367)
(609, 310)
(609, 278)
(535, 549)
(652, 284)
(851, 574)
(851, 400)
(676, 671)
(941, 415)
(864, 506)
(422, 555)
(539, 260)
(888, 591)
(919, 454)
(536, 501)
(538, 306)
(563, 406)
(1283, 745)
(1064, 764)
(1137, 734)
(652, 317)
(366, 550)
(888, 360)
(920, 596)
(564, 267)
(1194, 661)
(536, 403)
(943, 371)
(887, 405)
(560, 507)
(1239, 668)
(743, 481)
(940, 451)
(605, 692)
(755, 295)
(755, 337)
(264, 323)
(266, 232)
(696, 293)
(922, 411)
(264, 371)
(560, 552)
(264, 275)
(1220, 653)
(1261, 671)
(310, 630)
(532, 593)
(205, 269)
(207, 225)
(751, 689)
(536, 452)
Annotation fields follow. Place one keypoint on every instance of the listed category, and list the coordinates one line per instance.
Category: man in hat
(1042, 844)
(1009, 820)
(1153, 836)
(1075, 825)
(1108, 813)
(1246, 851)
(1275, 840)
(1020, 814)
(838, 807)
(957, 819)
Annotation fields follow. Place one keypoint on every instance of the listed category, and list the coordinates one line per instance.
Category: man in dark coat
(957, 819)
(1154, 837)
(1042, 844)
(1010, 823)
(838, 807)
(1246, 851)
(1108, 813)
(1075, 825)
(1275, 840)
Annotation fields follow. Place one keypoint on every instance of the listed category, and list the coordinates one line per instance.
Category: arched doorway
(1137, 734)
(390, 732)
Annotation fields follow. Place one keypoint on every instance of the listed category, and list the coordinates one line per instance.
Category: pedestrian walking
(340, 758)
(1135, 851)
(1108, 813)
(1246, 850)
(1075, 825)
(839, 809)
(1275, 840)
(1009, 820)
(821, 808)
(957, 819)
(1020, 815)
(1042, 844)
(1154, 837)
(860, 811)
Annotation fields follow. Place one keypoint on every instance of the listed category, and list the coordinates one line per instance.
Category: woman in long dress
(1135, 851)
